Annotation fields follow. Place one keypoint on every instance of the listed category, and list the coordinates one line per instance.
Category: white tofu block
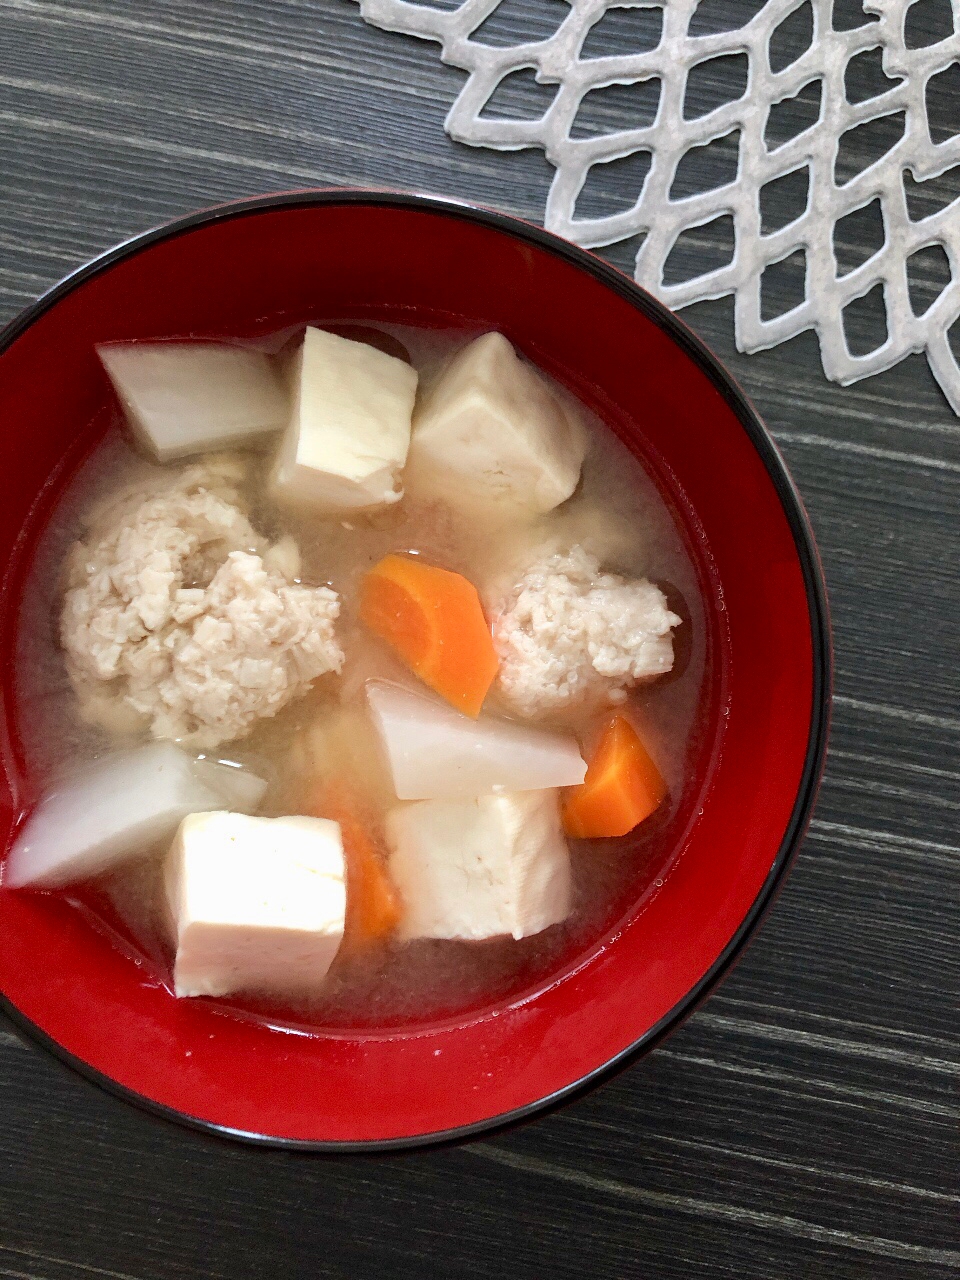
(349, 432)
(490, 433)
(116, 809)
(433, 751)
(257, 904)
(190, 397)
(481, 867)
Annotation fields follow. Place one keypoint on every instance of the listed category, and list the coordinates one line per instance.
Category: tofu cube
(482, 867)
(188, 397)
(348, 435)
(116, 809)
(490, 433)
(256, 904)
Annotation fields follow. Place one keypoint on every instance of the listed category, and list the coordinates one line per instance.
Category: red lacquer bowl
(261, 265)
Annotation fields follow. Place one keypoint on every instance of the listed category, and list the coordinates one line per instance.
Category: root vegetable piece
(349, 432)
(189, 397)
(433, 751)
(117, 808)
(373, 910)
(434, 620)
(341, 740)
(257, 904)
(238, 789)
(623, 786)
(481, 867)
(490, 434)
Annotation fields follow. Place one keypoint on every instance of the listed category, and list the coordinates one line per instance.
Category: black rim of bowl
(806, 553)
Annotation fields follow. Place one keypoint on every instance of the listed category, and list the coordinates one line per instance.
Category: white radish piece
(239, 790)
(114, 810)
(435, 752)
(188, 397)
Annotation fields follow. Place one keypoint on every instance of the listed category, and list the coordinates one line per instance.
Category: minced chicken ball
(569, 634)
(179, 616)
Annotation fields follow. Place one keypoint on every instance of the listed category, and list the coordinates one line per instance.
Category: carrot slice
(622, 787)
(434, 621)
(373, 909)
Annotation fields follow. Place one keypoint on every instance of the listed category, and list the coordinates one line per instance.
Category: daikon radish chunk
(339, 740)
(118, 808)
(435, 752)
(189, 397)
(239, 790)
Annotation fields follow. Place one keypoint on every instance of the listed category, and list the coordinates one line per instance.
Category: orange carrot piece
(373, 909)
(434, 621)
(622, 787)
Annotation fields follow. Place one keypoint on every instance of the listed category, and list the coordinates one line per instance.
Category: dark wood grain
(804, 1122)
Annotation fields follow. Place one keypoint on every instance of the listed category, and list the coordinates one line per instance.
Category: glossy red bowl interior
(259, 266)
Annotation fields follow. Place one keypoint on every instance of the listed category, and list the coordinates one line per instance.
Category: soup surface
(616, 514)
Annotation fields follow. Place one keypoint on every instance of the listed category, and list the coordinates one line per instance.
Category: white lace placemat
(901, 106)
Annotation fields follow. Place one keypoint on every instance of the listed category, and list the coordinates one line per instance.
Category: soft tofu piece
(433, 751)
(256, 904)
(490, 434)
(189, 397)
(118, 808)
(480, 867)
(348, 435)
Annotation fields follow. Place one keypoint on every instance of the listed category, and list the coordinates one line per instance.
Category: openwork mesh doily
(893, 150)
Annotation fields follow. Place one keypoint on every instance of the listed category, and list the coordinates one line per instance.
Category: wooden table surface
(804, 1122)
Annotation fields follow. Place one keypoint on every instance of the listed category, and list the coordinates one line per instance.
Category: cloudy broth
(617, 512)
